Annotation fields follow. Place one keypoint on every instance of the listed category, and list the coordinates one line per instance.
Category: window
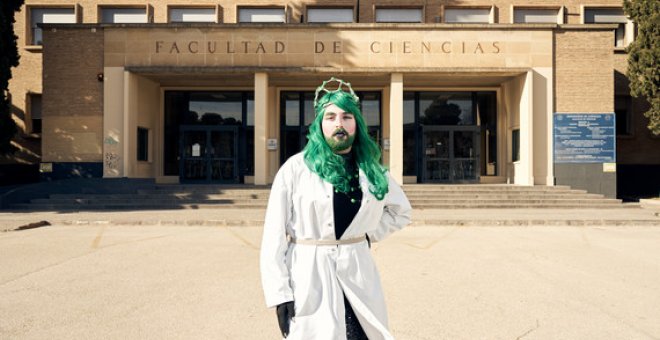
(468, 15)
(329, 15)
(515, 145)
(123, 15)
(609, 16)
(48, 16)
(535, 16)
(183, 14)
(35, 111)
(142, 144)
(622, 111)
(261, 15)
(399, 15)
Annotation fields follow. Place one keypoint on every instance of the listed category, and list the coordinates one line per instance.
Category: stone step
(263, 202)
(92, 207)
(129, 206)
(502, 195)
(470, 189)
(412, 196)
(160, 196)
(141, 202)
(513, 201)
(523, 206)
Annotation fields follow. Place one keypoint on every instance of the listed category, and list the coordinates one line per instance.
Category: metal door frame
(452, 159)
(206, 156)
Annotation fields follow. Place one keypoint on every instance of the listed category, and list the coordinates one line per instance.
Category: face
(338, 129)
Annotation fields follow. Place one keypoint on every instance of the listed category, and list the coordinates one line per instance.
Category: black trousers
(354, 330)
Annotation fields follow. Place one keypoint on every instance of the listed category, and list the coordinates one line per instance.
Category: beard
(342, 143)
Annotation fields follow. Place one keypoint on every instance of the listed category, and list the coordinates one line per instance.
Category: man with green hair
(327, 204)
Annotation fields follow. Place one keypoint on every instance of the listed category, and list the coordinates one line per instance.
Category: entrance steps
(422, 197)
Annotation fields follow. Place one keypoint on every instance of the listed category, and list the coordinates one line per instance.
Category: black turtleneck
(346, 205)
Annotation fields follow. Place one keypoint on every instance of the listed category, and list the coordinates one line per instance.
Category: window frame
(242, 7)
(629, 25)
(307, 8)
(215, 8)
(490, 8)
(515, 144)
(146, 148)
(148, 11)
(29, 119)
(29, 34)
(422, 9)
(560, 13)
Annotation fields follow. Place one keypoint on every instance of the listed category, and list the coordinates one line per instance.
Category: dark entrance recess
(449, 137)
(209, 136)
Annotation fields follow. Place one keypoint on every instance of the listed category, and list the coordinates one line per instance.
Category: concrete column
(524, 174)
(113, 122)
(130, 113)
(260, 128)
(396, 127)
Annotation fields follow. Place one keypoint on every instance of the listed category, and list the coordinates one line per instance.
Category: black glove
(285, 312)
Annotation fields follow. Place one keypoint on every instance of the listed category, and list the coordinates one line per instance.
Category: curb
(416, 223)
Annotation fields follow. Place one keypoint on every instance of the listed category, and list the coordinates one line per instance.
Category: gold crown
(339, 88)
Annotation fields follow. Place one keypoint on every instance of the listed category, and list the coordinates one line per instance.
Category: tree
(644, 56)
(8, 59)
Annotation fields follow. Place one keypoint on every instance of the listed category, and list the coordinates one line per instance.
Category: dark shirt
(343, 208)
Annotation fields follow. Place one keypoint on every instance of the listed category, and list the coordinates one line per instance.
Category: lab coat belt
(327, 242)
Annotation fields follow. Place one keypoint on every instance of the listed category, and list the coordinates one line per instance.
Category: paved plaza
(202, 282)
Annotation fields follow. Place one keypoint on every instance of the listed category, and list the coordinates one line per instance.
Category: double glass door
(209, 154)
(450, 154)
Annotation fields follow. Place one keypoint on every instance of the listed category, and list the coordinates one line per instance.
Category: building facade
(529, 93)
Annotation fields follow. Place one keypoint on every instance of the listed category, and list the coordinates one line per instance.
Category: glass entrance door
(209, 154)
(450, 154)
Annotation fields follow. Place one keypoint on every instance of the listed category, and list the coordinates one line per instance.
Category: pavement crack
(97, 239)
(242, 239)
(434, 242)
(530, 330)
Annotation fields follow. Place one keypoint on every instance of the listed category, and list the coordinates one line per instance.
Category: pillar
(260, 128)
(396, 127)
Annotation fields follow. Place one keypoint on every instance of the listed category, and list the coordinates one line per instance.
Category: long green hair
(330, 166)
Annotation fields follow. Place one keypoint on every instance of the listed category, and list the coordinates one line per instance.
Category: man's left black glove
(285, 312)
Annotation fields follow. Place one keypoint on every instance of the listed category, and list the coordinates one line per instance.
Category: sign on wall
(584, 138)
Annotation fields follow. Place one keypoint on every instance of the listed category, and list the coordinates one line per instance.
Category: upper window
(399, 15)
(187, 14)
(535, 16)
(609, 16)
(261, 15)
(48, 16)
(124, 15)
(468, 15)
(321, 15)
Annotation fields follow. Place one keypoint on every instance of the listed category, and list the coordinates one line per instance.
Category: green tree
(8, 59)
(644, 56)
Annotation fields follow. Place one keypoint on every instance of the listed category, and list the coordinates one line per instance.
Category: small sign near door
(196, 150)
(271, 144)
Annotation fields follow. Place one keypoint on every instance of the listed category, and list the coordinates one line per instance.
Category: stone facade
(580, 61)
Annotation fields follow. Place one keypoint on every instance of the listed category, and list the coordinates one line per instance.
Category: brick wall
(584, 80)
(73, 96)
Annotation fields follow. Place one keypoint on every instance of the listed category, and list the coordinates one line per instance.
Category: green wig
(330, 166)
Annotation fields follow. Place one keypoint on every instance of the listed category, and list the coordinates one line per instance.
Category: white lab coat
(314, 277)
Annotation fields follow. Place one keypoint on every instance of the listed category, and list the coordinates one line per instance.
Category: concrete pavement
(195, 282)
(633, 216)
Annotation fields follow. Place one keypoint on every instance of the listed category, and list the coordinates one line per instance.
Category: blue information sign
(584, 138)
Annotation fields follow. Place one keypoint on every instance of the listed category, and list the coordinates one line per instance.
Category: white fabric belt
(327, 242)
